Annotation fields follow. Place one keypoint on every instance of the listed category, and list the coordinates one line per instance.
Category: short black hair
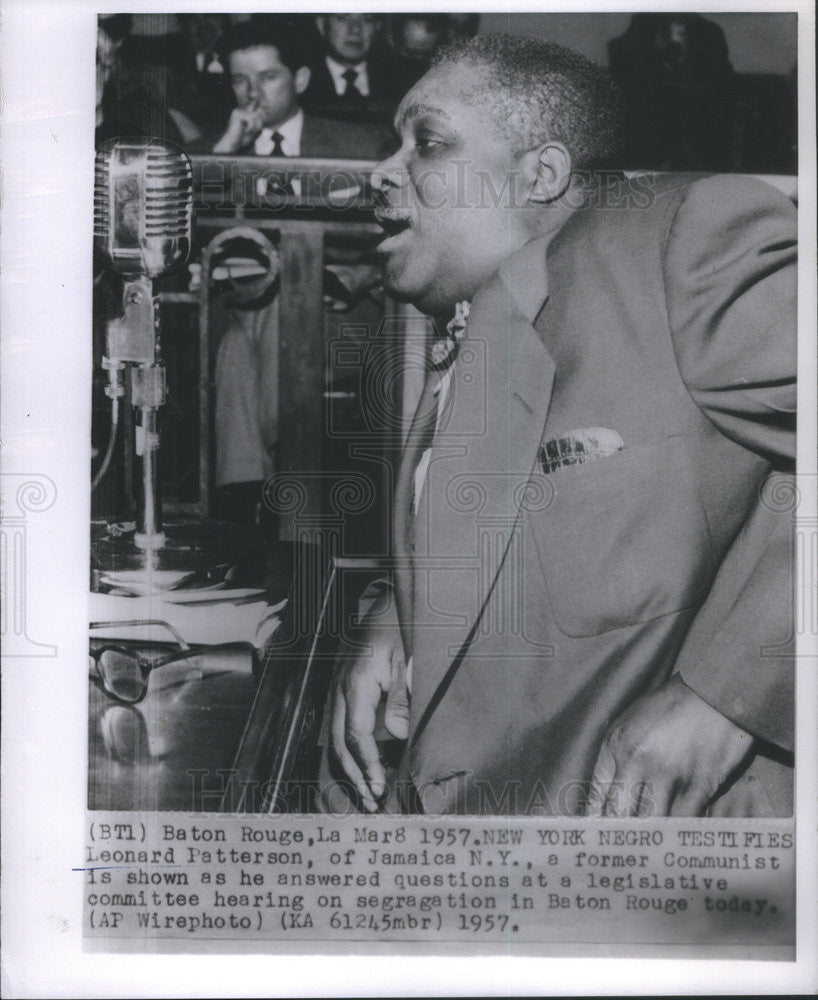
(538, 90)
(285, 34)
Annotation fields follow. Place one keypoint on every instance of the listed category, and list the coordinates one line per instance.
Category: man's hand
(361, 677)
(242, 128)
(666, 755)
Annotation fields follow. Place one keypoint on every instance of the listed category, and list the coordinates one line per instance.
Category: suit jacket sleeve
(730, 281)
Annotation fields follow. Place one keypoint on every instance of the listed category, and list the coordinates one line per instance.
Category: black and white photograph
(438, 495)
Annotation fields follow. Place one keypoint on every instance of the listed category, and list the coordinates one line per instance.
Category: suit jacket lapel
(311, 141)
(481, 461)
(321, 90)
(403, 523)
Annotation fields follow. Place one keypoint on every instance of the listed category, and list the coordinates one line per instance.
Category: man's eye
(425, 144)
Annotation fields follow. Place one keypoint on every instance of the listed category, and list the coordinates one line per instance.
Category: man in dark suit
(675, 75)
(267, 64)
(353, 78)
(268, 74)
(591, 604)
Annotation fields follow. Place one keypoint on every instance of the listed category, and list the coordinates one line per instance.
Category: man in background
(267, 62)
(356, 77)
(675, 75)
(418, 35)
(143, 85)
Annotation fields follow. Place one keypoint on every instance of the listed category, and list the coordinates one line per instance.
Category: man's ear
(301, 79)
(546, 171)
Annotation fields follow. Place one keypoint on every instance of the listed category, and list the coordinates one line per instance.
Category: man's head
(267, 67)
(419, 36)
(348, 37)
(492, 137)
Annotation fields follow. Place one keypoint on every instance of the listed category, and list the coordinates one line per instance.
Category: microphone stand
(142, 224)
(134, 338)
(200, 549)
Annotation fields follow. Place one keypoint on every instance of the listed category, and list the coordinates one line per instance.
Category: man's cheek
(432, 189)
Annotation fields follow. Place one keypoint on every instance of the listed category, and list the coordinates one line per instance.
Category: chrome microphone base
(192, 554)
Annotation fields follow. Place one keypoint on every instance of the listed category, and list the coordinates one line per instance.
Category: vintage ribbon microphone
(143, 212)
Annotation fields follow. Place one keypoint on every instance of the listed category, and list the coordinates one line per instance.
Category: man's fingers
(361, 704)
(621, 790)
(604, 772)
(617, 802)
(651, 797)
(246, 121)
(396, 714)
(339, 747)
(360, 679)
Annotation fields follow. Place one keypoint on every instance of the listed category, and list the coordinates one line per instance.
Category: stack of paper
(216, 617)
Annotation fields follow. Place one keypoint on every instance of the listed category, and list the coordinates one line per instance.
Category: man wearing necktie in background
(267, 61)
(355, 78)
(591, 608)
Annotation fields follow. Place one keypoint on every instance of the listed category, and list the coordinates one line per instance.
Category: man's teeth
(393, 224)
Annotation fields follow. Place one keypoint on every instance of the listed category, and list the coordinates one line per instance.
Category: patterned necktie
(351, 89)
(444, 350)
(420, 437)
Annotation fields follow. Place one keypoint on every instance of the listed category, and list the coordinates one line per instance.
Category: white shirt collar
(337, 71)
(290, 132)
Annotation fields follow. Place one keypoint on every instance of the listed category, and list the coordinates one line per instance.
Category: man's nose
(390, 172)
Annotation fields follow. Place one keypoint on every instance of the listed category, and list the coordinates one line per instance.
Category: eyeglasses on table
(126, 676)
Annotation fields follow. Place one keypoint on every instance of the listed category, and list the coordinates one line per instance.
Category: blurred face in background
(107, 55)
(420, 36)
(261, 80)
(348, 37)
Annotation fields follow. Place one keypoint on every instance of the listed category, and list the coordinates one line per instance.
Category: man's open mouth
(393, 224)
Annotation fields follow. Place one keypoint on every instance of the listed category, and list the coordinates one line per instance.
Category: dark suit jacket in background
(323, 137)
(667, 316)
(680, 112)
(390, 77)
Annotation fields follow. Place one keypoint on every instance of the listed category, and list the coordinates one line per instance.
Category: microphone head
(143, 206)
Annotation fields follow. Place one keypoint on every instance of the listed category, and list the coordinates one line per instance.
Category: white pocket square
(577, 447)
